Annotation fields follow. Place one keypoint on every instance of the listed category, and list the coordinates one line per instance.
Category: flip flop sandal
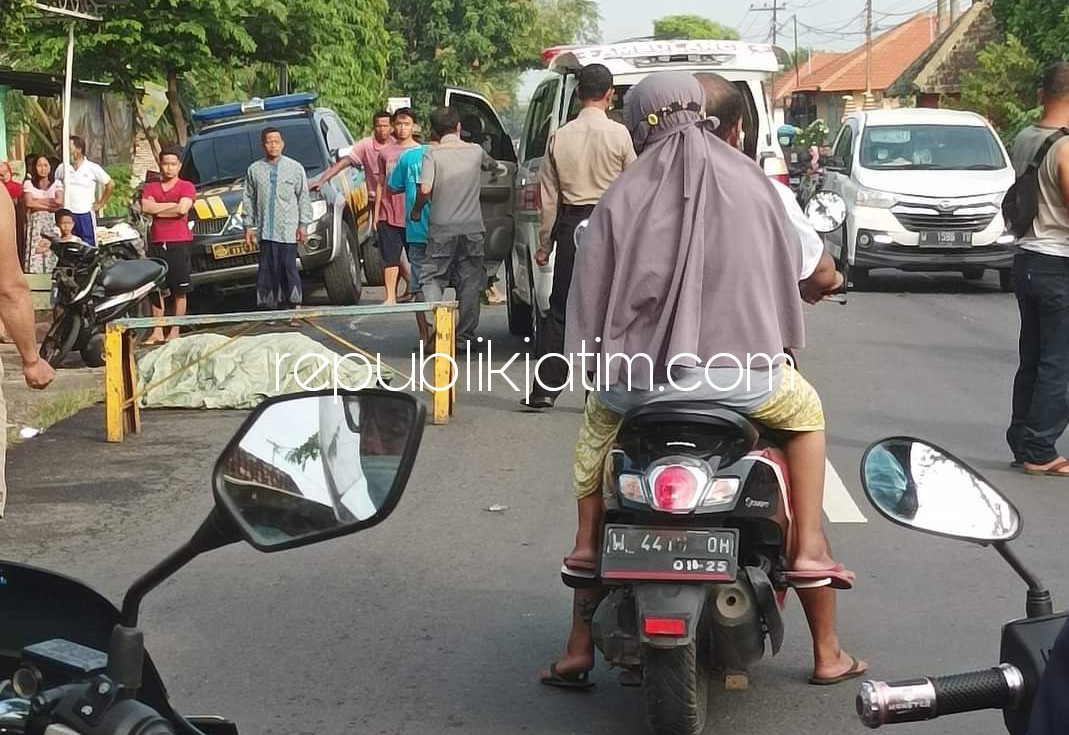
(571, 680)
(835, 577)
(853, 672)
(1052, 471)
(580, 569)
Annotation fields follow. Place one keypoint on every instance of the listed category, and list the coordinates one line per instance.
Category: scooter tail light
(677, 488)
(668, 627)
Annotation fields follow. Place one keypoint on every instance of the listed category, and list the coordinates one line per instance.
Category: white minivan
(554, 103)
(923, 191)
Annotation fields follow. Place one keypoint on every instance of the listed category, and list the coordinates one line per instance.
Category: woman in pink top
(43, 195)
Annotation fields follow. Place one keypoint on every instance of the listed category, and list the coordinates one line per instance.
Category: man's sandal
(837, 578)
(570, 680)
(853, 672)
(1057, 469)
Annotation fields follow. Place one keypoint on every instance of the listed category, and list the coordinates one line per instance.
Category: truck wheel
(521, 315)
(342, 275)
(676, 684)
(372, 262)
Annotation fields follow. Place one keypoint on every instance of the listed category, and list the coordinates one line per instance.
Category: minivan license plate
(669, 554)
(952, 239)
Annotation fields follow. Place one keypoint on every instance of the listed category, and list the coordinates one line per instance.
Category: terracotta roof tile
(786, 82)
(892, 53)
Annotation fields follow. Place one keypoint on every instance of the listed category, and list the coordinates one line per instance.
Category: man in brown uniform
(583, 158)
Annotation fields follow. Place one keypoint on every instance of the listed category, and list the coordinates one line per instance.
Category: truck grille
(209, 226)
(202, 262)
(945, 221)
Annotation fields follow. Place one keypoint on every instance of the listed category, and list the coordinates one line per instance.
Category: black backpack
(1021, 205)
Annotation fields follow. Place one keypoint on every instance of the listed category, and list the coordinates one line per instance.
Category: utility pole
(797, 68)
(774, 9)
(868, 47)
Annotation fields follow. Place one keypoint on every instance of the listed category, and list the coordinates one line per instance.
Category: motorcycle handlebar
(915, 700)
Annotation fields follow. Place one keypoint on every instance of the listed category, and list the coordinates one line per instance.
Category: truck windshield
(227, 156)
(931, 148)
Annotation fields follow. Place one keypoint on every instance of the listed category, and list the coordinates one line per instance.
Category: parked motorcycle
(73, 664)
(92, 286)
(925, 488)
(694, 550)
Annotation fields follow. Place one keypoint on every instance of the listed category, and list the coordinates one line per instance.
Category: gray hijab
(689, 254)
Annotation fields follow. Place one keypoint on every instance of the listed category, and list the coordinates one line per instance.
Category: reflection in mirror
(580, 230)
(920, 486)
(826, 211)
(313, 464)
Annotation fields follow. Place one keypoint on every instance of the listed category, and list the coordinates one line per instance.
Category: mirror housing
(309, 467)
(343, 153)
(580, 230)
(833, 163)
(923, 487)
(826, 211)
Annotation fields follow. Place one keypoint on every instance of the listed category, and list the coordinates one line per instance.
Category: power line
(774, 9)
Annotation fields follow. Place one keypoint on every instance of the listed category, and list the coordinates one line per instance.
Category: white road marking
(839, 505)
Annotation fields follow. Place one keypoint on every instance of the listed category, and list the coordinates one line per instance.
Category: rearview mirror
(309, 467)
(920, 486)
(341, 153)
(826, 211)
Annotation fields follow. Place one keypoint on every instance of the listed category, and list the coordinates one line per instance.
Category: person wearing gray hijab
(689, 269)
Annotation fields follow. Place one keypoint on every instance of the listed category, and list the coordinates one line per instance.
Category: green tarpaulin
(245, 372)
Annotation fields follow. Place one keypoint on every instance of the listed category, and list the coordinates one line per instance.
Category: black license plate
(670, 554)
(952, 239)
(795, 181)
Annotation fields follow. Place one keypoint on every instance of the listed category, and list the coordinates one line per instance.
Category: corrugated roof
(892, 53)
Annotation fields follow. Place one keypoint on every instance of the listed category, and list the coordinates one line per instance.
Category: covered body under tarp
(248, 370)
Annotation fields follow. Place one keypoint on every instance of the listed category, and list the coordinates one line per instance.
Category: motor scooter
(73, 664)
(925, 488)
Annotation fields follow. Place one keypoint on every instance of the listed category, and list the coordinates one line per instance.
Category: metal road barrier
(122, 415)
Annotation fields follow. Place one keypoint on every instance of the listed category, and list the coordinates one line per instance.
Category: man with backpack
(1037, 210)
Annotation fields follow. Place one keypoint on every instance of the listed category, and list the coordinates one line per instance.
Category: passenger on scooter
(691, 258)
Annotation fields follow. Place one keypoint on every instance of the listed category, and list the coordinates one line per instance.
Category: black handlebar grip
(976, 690)
(915, 700)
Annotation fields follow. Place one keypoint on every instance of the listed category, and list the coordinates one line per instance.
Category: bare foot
(570, 663)
(844, 664)
(156, 338)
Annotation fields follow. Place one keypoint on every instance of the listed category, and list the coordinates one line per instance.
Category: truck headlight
(873, 198)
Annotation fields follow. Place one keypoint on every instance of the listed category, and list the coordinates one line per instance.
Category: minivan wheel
(342, 275)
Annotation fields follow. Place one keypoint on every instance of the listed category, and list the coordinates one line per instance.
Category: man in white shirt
(80, 190)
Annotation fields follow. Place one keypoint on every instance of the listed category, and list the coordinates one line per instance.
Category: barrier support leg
(114, 383)
(131, 411)
(444, 344)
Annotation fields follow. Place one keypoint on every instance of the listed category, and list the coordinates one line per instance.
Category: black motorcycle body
(72, 663)
(694, 570)
(92, 286)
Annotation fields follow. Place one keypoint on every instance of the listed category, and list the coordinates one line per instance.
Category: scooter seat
(129, 275)
(653, 428)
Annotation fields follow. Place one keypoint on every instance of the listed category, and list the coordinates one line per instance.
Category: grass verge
(53, 409)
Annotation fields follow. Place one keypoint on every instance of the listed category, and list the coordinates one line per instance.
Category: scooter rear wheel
(60, 339)
(676, 684)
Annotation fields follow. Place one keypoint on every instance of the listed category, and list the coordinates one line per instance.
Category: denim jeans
(1041, 387)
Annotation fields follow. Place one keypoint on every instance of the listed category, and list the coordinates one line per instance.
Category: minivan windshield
(931, 148)
(225, 157)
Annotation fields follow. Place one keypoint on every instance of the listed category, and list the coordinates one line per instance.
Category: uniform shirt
(80, 189)
(582, 160)
(170, 229)
(276, 200)
(453, 171)
(405, 178)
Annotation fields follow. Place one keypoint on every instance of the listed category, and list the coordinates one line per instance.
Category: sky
(833, 25)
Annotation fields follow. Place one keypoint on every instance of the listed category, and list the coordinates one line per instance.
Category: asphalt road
(439, 619)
